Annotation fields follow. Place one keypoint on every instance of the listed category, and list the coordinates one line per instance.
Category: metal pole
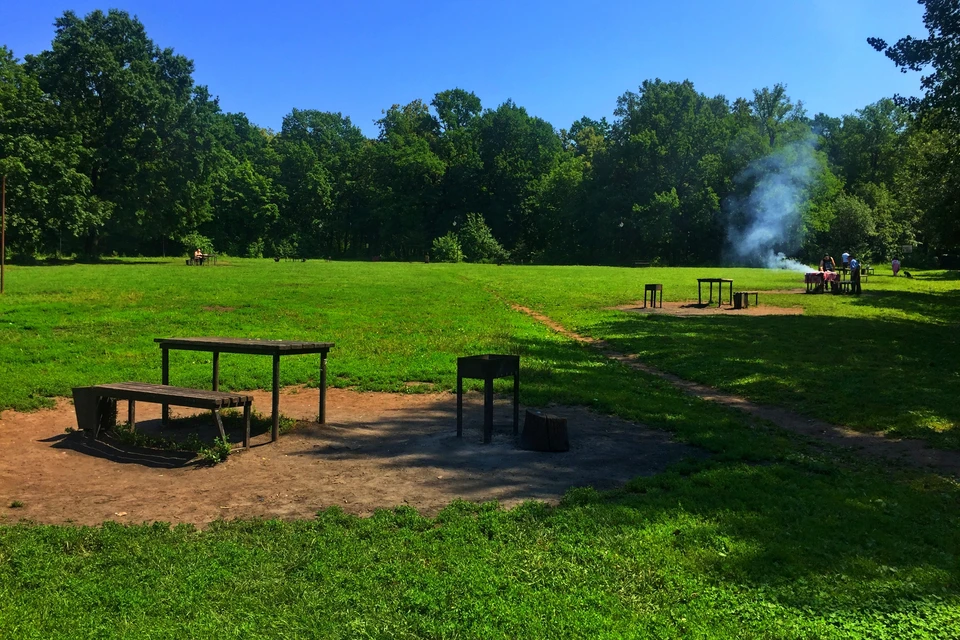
(3, 229)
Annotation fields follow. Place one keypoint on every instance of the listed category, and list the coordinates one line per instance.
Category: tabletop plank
(245, 345)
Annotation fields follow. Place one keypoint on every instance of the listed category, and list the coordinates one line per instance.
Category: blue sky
(559, 59)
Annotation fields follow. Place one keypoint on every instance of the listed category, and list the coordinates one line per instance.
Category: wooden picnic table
(252, 346)
(720, 282)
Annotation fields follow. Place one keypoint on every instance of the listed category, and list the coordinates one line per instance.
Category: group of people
(848, 263)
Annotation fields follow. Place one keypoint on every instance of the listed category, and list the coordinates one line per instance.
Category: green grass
(884, 362)
(770, 537)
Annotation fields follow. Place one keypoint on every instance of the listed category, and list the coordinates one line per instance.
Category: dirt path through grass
(914, 452)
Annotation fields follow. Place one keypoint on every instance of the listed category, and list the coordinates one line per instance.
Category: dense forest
(109, 147)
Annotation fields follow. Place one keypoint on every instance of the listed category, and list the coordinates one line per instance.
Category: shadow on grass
(867, 373)
(167, 446)
(939, 307)
(602, 400)
(109, 447)
(63, 262)
(937, 275)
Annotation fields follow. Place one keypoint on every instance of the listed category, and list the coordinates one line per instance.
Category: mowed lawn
(769, 537)
(887, 361)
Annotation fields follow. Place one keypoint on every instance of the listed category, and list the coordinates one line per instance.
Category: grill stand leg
(459, 407)
(487, 410)
(516, 404)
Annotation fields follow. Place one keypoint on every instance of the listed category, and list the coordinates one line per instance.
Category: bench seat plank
(180, 396)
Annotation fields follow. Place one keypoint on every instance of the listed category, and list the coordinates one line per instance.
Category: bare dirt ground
(376, 450)
(694, 309)
(907, 451)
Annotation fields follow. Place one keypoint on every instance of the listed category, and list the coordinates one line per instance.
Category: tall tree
(142, 123)
(938, 108)
(937, 53)
(47, 196)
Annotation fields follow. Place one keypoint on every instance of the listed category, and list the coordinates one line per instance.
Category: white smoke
(767, 223)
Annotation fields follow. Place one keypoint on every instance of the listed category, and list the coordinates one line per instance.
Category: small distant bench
(91, 402)
(642, 264)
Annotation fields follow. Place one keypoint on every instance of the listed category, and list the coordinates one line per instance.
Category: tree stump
(542, 432)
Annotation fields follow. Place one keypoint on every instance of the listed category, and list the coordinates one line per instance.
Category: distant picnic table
(720, 282)
(275, 348)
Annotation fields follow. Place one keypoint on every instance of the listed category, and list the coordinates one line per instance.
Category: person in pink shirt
(895, 265)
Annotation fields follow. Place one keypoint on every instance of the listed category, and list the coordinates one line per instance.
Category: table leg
(275, 433)
(223, 434)
(487, 410)
(216, 371)
(516, 403)
(164, 379)
(699, 294)
(132, 414)
(246, 426)
(322, 416)
(459, 407)
(731, 293)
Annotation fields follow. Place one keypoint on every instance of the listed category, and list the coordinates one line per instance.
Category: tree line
(110, 147)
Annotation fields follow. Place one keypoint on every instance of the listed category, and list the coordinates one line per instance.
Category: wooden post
(516, 402)
(459, 406)
(216, 371)
(3, 230)
(246, 426)
(323, 388)
(275, 433)
(164, 379)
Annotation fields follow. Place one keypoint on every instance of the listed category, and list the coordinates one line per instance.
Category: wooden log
(542, 432)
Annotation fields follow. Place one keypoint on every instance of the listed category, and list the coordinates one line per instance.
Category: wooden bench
(641, 264)
(90, 403)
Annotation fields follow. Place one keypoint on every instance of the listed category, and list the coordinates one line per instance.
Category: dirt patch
(377, 450)
(694, 309)
(220, 309)
(913, 452)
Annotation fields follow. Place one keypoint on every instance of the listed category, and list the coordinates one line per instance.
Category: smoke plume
(766, 223)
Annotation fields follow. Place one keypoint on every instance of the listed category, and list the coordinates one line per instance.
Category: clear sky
(559, 58)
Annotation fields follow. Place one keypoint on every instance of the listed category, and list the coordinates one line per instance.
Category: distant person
(845, 260)
(827, 264)
(854, 265)
(198, 257)
(895, 265)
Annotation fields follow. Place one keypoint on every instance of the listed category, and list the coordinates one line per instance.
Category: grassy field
(770, 537)
(886, 361)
